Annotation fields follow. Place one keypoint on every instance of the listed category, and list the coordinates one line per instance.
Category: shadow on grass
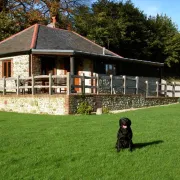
(142, 145)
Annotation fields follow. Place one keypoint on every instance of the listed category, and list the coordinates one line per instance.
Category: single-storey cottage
(40, 50)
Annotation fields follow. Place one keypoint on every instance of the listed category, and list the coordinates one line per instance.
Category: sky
(169, 7)
(151, 7)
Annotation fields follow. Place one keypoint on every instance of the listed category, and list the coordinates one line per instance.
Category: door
(48, 66)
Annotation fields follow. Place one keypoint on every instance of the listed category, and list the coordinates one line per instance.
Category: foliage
(3, 5)
(172, 50)
(117, 25)
(124, 29)
(28, 12)
(84, 108)
(78, 147)
(7, 26)
(105, 110)
(179, 100)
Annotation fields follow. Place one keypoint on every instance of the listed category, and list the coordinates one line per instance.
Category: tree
(17, 15)
(7, 26)
(172, 50)
(161, 30)
(3, 5)
(116, 25)
(124, 29)
(29, 12)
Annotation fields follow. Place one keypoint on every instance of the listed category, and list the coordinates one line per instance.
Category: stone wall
(19, 66)
(64, 104)
(40, 104)
(117, 102)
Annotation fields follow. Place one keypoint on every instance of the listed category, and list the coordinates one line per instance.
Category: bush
(178, 100)
(105, 110)
(84, 108)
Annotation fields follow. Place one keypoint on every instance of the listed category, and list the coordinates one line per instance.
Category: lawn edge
(134, 109)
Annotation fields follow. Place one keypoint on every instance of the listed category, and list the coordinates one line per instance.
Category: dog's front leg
(130, 146)
(118, 146)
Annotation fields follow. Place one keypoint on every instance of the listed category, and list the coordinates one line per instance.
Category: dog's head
(125, 123)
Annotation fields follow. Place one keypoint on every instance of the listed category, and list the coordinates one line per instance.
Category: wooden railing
(99, 83)
(33, 83)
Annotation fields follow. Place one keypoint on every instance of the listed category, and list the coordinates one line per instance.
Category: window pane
(110, 66)
(110, 69)
(9, 69)
(106, 67)
(5, 69)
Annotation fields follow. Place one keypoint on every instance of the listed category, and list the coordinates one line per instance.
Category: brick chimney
(53, 23)
(69, 27)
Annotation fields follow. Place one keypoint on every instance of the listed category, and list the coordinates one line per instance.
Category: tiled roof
(43, 37)
(18, 42)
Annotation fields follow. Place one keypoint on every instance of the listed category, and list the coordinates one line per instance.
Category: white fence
(170, 89)
(98, 84)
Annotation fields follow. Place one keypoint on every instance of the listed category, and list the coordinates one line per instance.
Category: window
(110, 69)
(6, 68)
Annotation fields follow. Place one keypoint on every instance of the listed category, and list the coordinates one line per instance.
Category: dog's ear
(129, 122)
(125, 119)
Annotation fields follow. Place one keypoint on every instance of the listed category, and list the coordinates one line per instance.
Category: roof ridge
(94, 43)
(52, 27)
(34, 37)
(80, 36)
(16, 34)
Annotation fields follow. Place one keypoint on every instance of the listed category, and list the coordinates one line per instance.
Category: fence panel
(117, 84)
(104, 84)
(142, 87)
(130, 85)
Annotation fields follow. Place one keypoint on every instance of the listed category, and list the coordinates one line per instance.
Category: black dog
(124, 136)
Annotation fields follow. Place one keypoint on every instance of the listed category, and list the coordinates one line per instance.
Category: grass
(82, 147)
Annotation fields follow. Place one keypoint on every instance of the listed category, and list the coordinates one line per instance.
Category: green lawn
(82, 147)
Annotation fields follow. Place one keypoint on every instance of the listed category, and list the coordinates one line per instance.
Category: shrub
(84, 108)
(105, 110)
(178, 100)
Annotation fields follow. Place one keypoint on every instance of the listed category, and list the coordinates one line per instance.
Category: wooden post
(137, 84)
(33, 84)
(72, 70)
(17, 88)
(68, 83)
(50, 84)
(93, 80)
(124, 84)
(83, 84)
(157, 88)
(111, 78)
(4, 85)
(97, 83)
(165, 89)
(146, 88)
(173, 89)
